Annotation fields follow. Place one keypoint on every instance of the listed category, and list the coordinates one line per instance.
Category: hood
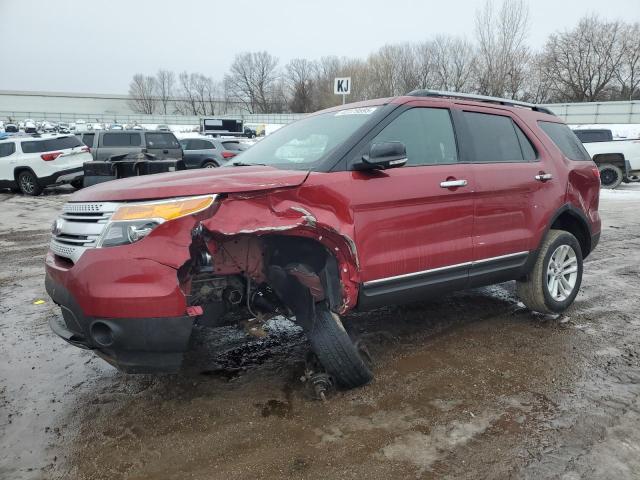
(192, 182)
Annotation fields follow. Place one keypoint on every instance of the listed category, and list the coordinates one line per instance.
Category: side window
(162, 140)
(427, 133)
(121, 140)
(33, 147)
(87, 139)
(565, 140)
(7, 149)
(495, 138)
(198, 144)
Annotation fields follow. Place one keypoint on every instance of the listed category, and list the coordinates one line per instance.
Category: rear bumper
(132, 345)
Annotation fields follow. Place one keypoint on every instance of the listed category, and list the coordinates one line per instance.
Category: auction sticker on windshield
(357, 111)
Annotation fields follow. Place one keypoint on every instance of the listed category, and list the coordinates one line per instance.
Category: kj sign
(342, 86)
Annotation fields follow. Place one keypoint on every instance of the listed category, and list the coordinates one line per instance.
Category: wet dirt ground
(469, 386)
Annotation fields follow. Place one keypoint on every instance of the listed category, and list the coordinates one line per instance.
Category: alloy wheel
(562, 273)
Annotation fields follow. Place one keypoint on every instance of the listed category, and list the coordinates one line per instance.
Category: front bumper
(132, 345)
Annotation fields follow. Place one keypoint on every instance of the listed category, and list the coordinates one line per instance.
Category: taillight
(228, 154)
(596, 172)
(47, 157)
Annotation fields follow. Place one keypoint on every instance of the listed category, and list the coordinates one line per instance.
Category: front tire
(611, 176)
(552, 285)
(335, 350)
(28, 183)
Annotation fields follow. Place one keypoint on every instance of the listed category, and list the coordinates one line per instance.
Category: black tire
(210, 164)
(28, 183)
(335, 350)
(534, 290)
(611, 175)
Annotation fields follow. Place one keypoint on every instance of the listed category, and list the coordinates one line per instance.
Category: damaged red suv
(369, 204)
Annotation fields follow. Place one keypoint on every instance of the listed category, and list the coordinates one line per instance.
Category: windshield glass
(301, 145)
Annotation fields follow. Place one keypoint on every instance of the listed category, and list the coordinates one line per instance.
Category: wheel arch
(574, 221)
(23, 168)
(616, 159)
(209, 160)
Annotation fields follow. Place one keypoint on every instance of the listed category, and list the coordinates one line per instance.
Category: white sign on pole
(342, 86)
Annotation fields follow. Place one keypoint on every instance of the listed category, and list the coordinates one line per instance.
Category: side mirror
(384, 155)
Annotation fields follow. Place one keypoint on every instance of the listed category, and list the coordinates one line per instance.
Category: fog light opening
(102, 334)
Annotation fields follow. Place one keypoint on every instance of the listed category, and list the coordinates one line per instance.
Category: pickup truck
(352, 208)
(617, 160)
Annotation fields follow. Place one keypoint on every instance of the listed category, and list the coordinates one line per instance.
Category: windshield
(303, 144)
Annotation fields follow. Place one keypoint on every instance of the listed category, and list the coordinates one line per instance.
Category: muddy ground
(469, 386)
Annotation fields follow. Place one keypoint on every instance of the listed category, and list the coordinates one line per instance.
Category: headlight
(134, 221)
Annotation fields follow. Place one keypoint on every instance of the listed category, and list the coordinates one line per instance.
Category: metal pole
(343, 98)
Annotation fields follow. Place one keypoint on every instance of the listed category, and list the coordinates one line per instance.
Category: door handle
(453, 183)
(543, 177)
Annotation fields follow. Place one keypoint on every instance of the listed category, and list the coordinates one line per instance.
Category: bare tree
(252, 80)
(142, 94)
(165, 81)
(453, 64)
(502, 52)
(301, 75)
(628, 72)
(583, 62)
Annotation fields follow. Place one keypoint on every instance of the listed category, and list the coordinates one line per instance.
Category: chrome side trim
(439, 269)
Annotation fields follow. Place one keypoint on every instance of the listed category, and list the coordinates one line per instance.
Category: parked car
(163, 128)
(30, 164)
(116, 126)
(106, 143)
(64, 128)
(360, 206)
(208, 152)
(11, 128)
(30, 127)
(617, 160)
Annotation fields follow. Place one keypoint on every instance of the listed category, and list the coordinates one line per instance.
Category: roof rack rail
(479, 98)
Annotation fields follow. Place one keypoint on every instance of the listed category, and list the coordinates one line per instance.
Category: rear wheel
(611, 175)
(28, 183)
(553, 284)
(341, 358)
(210, 164)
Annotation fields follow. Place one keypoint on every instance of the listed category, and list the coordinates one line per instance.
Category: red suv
(369, 204)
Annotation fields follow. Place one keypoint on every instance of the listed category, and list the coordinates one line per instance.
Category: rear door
(118, 143)
(413, 224)
(163, 145)
(516, 184)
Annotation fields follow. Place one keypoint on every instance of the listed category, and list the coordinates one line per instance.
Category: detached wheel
(335, 350)
(553, 284)
(28, 183)
(210, 164)
(611, 176)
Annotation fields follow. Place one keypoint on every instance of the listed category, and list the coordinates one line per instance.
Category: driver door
(414, 224)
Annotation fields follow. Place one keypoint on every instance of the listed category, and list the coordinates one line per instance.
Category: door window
(162, 140)
(427, 134)
(496, 138)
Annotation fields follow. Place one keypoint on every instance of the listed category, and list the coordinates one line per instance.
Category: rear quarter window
(7, 149)
(565, 140)
(162, 140)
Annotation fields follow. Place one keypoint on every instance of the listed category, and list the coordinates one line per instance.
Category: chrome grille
(79, 228)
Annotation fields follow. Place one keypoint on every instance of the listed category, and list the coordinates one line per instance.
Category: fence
(254, 118)
(597, 112)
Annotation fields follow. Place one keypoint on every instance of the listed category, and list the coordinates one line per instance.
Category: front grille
(80, 226)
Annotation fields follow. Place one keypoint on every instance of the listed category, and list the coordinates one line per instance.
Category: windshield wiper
(242, 164)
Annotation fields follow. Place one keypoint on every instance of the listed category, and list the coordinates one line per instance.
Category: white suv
(29, 164)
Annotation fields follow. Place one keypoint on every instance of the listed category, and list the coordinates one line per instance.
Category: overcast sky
(96, 46)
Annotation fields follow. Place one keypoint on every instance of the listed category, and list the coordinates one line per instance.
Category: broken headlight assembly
(131, 222)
